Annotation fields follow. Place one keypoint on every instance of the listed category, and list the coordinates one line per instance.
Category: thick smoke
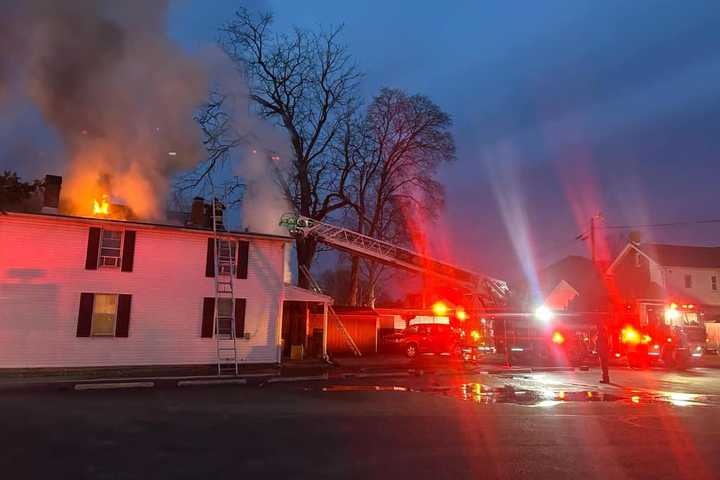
(263, 159)
(119, 93)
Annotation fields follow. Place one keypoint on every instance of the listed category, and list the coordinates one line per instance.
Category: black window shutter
(93, 248)
(128, 252)
(210, 259)
(208, 317)
(85, 314)
(243, 251)
(122, 324)
(240, 317)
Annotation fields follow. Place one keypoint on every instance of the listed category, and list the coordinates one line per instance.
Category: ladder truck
(488, 294)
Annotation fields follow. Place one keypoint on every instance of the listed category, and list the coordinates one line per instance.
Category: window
(225, 316)
(688, 281)
(110, 248)
(227, 254)
(714, 283)
(104, 315)
(638, 263)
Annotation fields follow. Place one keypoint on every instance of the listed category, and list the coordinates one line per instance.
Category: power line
(658, 225)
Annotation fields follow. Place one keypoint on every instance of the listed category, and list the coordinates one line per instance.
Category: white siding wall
(701, 283)
(42, 273)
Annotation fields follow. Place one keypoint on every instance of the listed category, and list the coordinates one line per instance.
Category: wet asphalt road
(651, 424)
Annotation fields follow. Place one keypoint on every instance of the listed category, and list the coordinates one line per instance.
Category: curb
(307, 378)
(112, 386)
(219, 381)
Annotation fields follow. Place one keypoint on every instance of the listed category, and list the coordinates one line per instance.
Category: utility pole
(592, 236)
(592, 240)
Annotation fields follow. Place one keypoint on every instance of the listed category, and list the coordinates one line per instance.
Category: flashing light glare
(558, 338)
(646, 339)
(617, 355)
(102, 207)
(671, 314)
(461, 314)
(698, 348)
(630, 335)
(439, 309)
(543, 313)
(669, 340)
(635, 399)
(561, 395)
(656, 347)
(682, 399)
(475, 335)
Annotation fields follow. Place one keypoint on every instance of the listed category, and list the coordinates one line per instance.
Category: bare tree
(305, 83)
(403, 141)
(220, 138)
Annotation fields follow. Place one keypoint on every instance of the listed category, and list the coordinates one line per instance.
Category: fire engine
(671, 334)
(547, 336)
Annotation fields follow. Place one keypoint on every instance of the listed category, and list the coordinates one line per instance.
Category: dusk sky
(561, 109)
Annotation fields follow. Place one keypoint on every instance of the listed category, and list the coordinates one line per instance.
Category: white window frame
(217, 315)
(118, 261)
(92, 317)
(233, 245)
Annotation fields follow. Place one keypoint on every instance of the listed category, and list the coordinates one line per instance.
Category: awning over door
(297, 294)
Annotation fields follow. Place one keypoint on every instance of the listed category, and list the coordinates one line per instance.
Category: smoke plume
(116, 89)
(263, 158)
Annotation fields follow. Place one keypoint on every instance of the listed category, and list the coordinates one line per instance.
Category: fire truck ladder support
(491, 292)
(224, 320)
(346, 335)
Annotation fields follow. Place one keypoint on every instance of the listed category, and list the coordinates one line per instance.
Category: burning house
(108, 289)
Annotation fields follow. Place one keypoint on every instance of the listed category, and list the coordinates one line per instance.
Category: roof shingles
(682, 255)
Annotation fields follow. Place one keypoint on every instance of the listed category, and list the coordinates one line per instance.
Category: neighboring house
(86, 292)
(573, 284)
(561, 296)
(669, 273)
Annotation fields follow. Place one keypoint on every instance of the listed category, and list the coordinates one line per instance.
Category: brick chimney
(51, 193)
(197, 213)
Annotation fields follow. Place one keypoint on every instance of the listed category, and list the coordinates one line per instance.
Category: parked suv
(425, 338)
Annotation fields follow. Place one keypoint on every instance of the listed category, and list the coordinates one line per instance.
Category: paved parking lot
(430, 426)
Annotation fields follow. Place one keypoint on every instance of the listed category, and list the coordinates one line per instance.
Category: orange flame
(102, 207)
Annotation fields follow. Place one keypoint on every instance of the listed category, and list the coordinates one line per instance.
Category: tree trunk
(305, 254)
(354, 281)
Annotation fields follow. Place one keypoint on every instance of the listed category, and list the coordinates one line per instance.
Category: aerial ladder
(489, 292)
